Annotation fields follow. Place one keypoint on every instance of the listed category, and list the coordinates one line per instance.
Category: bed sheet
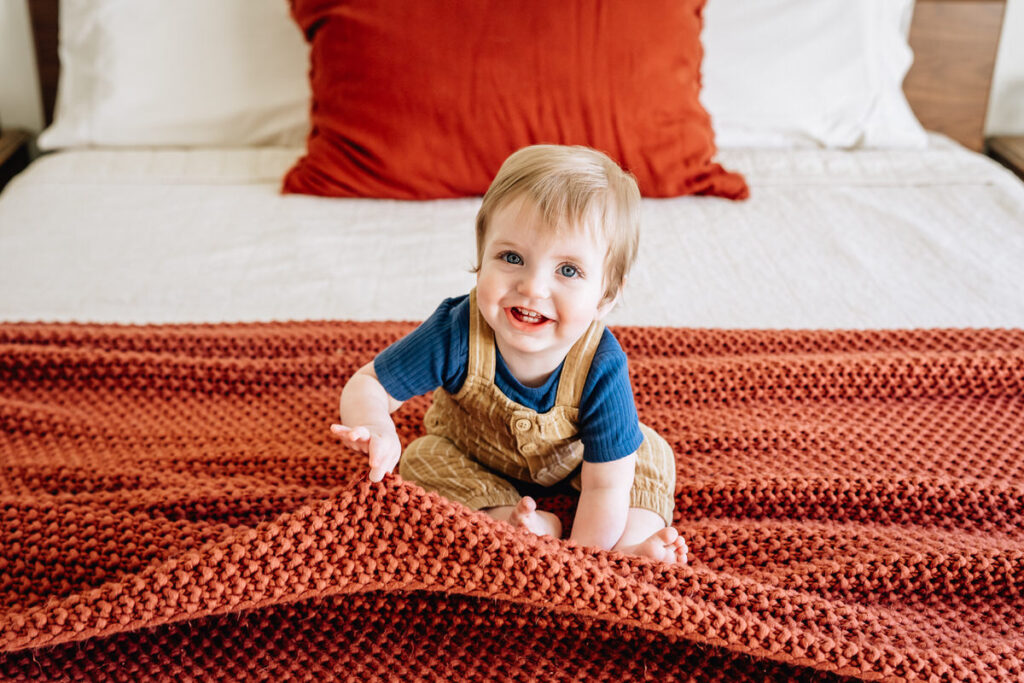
(828, 239)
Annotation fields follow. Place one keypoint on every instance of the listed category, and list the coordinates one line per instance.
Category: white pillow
(234, 72)
(808, 72)
(179, 73)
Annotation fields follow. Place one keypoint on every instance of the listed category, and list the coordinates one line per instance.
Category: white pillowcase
(782, 73)
(179, 73)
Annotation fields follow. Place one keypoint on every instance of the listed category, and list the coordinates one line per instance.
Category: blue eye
(512, 257)
(568, 271)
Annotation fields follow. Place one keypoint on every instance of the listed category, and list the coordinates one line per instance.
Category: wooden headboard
(954, 43)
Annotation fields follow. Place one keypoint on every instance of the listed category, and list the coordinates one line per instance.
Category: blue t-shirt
(436, 354)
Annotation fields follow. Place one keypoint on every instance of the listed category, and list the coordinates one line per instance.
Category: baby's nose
(534, 285)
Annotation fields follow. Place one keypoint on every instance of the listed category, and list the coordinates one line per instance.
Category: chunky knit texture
(172, 505)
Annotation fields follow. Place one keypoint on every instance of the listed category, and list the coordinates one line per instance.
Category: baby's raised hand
(382, 446)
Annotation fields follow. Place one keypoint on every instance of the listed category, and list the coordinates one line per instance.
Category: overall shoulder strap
(577, 366)
(481, 343)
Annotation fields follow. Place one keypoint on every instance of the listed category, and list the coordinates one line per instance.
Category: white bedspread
(828, 239)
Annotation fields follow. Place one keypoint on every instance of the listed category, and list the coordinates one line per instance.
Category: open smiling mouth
(525, 316)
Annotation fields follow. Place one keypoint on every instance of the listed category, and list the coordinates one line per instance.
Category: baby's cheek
(488, 290)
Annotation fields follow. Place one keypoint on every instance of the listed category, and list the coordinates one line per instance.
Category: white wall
(20, 103)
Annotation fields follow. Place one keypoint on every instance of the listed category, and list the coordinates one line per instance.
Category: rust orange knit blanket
(174, 506)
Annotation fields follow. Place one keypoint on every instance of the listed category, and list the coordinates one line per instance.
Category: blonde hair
(569, 186)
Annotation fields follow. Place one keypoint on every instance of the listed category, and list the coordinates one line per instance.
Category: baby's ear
(608, 303)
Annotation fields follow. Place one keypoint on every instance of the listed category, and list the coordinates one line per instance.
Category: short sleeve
(608, 423)
(433, 355)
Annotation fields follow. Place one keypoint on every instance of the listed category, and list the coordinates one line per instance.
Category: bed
(837, 360)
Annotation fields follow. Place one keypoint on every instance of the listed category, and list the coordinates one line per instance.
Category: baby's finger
(380, 458)
(357, 434)
(377, 459)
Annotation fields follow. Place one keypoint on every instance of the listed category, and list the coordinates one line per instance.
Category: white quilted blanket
(828, 239)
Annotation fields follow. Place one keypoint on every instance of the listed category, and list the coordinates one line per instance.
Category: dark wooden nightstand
(14, 153)
(1009, 151)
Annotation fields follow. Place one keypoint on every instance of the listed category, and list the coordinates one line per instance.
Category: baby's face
(539, 291)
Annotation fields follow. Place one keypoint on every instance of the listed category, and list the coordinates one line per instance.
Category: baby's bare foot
(664, 545)
(525, 514)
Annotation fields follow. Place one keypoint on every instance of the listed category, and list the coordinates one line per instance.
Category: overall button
(523, 425)
(528, 448)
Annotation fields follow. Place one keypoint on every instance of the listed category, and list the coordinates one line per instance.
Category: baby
(530, 385)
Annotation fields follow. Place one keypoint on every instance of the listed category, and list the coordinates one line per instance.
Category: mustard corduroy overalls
(478, 439)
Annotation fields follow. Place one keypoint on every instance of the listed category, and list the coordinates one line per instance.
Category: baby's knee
(414, 464)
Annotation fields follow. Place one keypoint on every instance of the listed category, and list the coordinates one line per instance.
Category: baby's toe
(680, 550)
(523, 511)
(668, 535)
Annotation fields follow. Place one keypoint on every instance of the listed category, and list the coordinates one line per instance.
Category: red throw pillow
(422, 99)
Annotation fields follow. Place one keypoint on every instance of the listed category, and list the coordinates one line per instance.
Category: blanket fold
(172, 505)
